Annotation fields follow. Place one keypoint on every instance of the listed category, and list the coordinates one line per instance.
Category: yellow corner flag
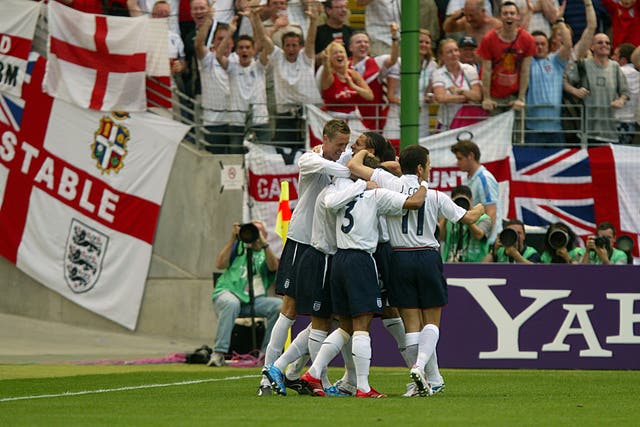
(284, 212)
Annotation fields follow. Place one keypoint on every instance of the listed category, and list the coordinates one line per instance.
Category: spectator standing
(602, 86)
(626, 116)
(294, 83)
(601, 247)
(377, 16)
(454, 85)
(544, 95)
(341, 87)
(471, 18)
(427, 66)
(200, 10)
(468, 55)
(374, 71)
(231, 298)
(516, 253)
(247, 87)
(483, 184)
(625, 21)
(215, 83)
(334, 27)
(540, 15)
(278, 22)
(506, 58)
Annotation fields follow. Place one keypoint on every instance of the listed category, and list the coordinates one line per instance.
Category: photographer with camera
(561, 245)
(600, 248)
(231, 296)
(510, 246)
(462, 242)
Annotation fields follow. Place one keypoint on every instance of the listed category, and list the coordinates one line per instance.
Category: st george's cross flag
(18, 19)
(80, 196)
(100, 62)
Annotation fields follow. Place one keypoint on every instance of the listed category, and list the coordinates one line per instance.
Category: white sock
(316, 338)
(362, 359)
(427, 344)
(297, 348)
(330, 349)
(349, 365)
(432, 371)
(294, 370)
(411, 351)
(396, 329)
(279, 335)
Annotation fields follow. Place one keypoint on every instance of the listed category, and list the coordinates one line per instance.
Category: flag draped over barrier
(18, 20)
(96, 61)
(80, 198)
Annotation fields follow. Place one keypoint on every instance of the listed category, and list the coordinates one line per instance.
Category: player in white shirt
(313, 296)
(316, 170)
(418, 287)
(354, 283)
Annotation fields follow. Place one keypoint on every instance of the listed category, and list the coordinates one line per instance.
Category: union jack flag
(550, 185)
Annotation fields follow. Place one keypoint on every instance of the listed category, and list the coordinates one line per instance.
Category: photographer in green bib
(510, 245)
(462, 242)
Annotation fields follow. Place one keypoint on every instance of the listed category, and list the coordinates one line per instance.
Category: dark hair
(540, 33)
(513, 221)
(411, 157)
(625, 50)
(509, 3)
(462, 190)
(571, 241)
(606, 225)
(466, 147)
(221, 26)
(291, 34)
(382, 148)
(246, 37)
(334, 127)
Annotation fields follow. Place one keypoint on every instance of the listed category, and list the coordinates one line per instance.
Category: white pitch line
(109, 390)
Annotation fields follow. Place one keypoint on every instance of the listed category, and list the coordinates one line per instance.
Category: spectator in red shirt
(625, 20)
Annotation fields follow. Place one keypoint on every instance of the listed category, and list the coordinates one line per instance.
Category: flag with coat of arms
(80, 198)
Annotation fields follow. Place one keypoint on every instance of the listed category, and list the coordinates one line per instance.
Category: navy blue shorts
(382, 255)
(287, 269)
(417, 280)
(313, 290)
(354, 284)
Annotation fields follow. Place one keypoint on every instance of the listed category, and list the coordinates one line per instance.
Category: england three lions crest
(109, 146)
(84, 253)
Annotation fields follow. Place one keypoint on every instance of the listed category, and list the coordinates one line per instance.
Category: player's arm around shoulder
(417, 198)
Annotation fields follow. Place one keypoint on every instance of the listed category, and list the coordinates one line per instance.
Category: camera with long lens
(248, 233)
(462, 201)
(601, 242)
(557, 239)
(508, 237)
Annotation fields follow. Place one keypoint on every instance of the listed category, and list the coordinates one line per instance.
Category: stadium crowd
(570, 68)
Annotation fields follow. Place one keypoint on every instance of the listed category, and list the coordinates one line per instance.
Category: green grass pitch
(181, 395)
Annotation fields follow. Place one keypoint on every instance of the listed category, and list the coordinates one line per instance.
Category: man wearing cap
(472, 20)
(468, 55)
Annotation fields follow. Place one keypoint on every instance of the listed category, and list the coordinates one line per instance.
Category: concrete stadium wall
(194, 224)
